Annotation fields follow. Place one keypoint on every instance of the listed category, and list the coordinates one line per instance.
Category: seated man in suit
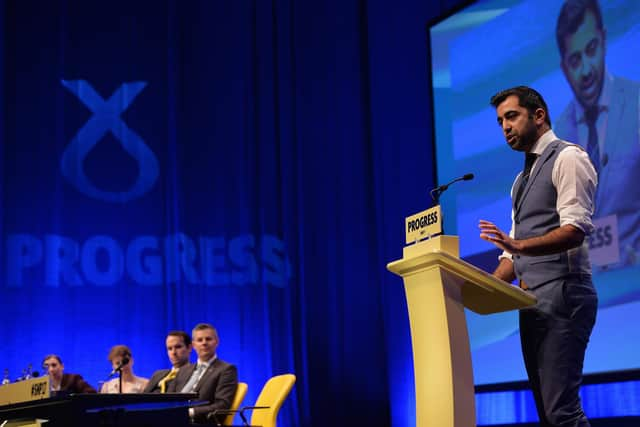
(213, 379)
(61, 382)
(178, 349)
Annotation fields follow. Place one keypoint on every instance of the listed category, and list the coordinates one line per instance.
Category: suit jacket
(152, 385)
(217, 386)
(74, 383)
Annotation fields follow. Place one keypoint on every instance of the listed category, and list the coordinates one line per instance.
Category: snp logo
(107, 118)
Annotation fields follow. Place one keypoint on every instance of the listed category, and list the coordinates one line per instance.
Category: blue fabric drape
(291, 139)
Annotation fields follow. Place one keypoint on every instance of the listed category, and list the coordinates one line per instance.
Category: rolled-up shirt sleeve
(575, 180)
(512, 232)
(506, 254)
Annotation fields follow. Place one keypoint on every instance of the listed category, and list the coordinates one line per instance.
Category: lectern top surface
(481, 292)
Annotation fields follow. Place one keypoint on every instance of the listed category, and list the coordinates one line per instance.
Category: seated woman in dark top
(61, 382)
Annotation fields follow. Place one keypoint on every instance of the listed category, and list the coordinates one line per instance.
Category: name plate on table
(24, 391)
(423, 224)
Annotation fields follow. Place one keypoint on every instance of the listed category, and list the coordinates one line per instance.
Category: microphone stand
(124, 362)
(437, 192)
(435, 195)
(118, 371)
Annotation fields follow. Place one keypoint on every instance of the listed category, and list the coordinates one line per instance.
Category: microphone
(124, 362)
(436, 192)
(26, 374)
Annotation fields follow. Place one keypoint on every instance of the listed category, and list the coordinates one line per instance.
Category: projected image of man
(604, 118)
(546, 250)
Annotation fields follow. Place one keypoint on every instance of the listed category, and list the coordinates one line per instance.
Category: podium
(438, 287)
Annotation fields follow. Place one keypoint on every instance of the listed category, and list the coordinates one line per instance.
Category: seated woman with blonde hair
(120, 357)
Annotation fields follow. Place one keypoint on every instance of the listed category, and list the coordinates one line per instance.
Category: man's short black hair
(571, 17)
(186, 338)
(527, 97)
(203, 326)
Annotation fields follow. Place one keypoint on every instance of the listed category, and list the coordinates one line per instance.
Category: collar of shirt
(208, 362)
(543, 142)
(603, 101)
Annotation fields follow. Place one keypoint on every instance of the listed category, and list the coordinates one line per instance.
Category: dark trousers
(554, 336)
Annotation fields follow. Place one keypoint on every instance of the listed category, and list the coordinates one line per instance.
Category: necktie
(193, 380)
(529, 159)
(163, 382)
(593, 149)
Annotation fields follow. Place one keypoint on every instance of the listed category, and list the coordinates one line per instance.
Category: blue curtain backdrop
(243, 163)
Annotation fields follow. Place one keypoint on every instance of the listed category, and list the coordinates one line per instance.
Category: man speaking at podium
(547, 252)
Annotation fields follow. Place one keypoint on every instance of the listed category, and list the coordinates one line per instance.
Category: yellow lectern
(439, 286)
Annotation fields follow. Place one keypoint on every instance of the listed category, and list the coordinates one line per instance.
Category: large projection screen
(492, 45)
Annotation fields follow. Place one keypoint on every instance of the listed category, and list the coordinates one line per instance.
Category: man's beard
(527, 138)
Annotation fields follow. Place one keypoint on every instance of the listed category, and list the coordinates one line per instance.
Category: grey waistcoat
(535, 216)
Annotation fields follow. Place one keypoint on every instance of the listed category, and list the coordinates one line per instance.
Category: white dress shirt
(574, 179)
(202, 366)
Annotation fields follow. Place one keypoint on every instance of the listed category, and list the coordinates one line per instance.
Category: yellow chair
(269, 402)
(271, 398)
(241, 392)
